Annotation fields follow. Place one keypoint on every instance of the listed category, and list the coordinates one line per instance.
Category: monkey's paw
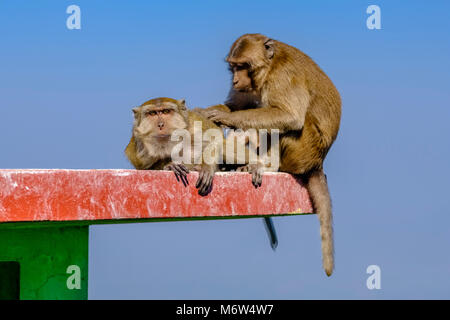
(218, 116)
(256, 170)
(205, 181)
(180, 172)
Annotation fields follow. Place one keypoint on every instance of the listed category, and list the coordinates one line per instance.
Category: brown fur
(291, 93)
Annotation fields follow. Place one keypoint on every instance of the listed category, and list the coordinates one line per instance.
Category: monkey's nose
(235, 82)
(160, 125)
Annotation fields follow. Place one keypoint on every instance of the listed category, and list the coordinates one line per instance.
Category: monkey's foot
(180, 172)
(256, 170)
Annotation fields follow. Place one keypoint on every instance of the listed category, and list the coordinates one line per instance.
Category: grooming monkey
(151, 146)
(276, 86)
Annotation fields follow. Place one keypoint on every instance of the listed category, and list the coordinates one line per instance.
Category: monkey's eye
(151, 113)
(166, 111)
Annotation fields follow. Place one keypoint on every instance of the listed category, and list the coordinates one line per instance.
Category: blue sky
(66, 99)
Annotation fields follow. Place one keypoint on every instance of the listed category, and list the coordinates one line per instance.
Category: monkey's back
(206, 123)
(304, 151)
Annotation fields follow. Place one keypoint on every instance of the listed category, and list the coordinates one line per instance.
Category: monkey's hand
(205, 179)
(256, 170)
(205, 112)
(220, 117)
(180, 172)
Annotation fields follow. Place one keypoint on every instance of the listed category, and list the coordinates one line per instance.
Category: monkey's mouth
(162, 136)
(244, 89)
(241, 89)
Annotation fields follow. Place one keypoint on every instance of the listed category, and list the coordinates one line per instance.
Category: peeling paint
(121, 173)
(67, 195)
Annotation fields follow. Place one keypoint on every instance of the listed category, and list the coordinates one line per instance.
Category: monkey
(151, 147)
(277, 86)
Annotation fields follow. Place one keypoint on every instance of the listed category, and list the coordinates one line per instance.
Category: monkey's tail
(320, 196)
(271, 232)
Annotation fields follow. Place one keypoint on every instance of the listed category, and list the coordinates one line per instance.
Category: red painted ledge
(91, 195)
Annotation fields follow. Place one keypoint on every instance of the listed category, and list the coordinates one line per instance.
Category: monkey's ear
(182, 104)
(268, 45)
(135, 111)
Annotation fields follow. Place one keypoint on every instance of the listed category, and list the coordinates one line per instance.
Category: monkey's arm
(131, 154)
(206, 111)
(285, 112)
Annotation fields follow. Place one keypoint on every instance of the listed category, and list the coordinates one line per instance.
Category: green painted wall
(44, 254)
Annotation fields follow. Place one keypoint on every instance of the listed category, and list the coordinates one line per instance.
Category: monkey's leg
(257, 169)
(180, 172)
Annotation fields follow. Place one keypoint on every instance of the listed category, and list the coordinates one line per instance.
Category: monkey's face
(242, 80)
(157, 121)
(249, 58)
